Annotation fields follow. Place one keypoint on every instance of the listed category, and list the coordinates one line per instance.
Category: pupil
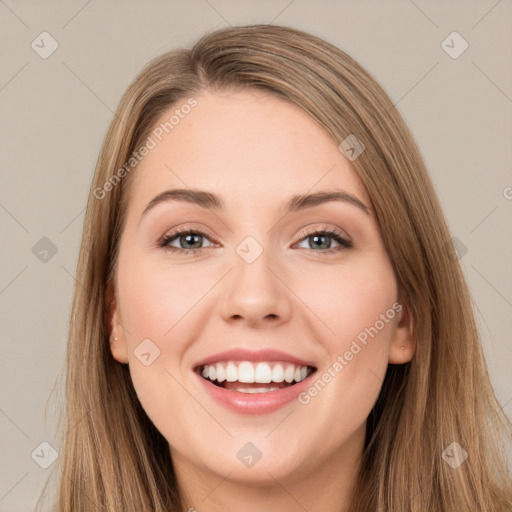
(187, 237)
(316, 237)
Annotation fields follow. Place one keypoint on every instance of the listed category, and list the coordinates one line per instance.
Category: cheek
(357, 307)
(156, 296)
(158, 304)
(347, 299)
(341, 299)
(154, 304)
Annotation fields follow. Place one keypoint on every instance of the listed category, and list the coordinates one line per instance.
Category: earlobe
(118, 346)
(118, 349)
(403, 343)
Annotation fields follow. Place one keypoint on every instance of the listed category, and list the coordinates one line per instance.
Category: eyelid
(340, 236)
(173, 232)
(324, 228)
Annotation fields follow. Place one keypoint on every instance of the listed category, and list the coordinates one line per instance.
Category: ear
(118, 346)
(403, 343)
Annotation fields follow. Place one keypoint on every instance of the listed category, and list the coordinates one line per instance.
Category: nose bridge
(255, 291)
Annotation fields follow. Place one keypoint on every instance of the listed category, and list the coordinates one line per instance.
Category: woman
(252, 371)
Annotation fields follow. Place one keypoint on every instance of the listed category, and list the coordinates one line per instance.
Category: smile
(247, 377)
(246, 387)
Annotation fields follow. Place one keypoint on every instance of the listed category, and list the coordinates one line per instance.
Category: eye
(318, 237)
(193, 238)
(186, 236)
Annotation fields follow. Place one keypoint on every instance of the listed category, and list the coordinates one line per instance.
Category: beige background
(55, 112)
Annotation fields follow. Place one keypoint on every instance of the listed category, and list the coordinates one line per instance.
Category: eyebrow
(212, 201)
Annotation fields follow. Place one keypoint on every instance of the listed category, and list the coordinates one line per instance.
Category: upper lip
(240, 354)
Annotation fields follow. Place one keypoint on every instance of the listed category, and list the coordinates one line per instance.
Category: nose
(256, 293)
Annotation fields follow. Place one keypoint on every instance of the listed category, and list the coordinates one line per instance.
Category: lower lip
(254, 403)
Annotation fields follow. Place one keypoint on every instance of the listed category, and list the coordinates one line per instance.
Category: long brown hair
(113, 457)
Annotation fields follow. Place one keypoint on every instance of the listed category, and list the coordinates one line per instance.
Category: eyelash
(332, 233)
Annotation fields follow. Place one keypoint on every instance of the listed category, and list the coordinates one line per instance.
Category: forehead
(245, 146)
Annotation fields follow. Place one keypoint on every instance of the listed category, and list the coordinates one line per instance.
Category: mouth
(254, 377)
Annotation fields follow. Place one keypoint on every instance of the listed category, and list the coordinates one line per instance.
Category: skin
(246, 146)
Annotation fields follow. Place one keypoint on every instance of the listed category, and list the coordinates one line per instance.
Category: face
(309, 288)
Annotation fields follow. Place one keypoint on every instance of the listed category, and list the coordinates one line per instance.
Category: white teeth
(231, 372)
(278, 373)
(221, 373)
(263, 373)
(257, 390)
(247, 372)
(289, 373)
